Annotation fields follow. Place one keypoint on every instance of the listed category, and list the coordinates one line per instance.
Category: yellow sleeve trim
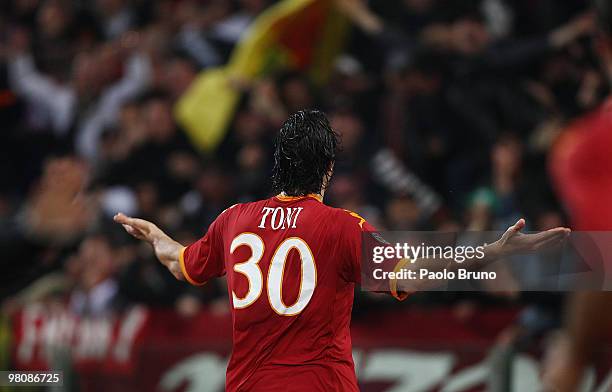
(356, 215)
(184, 270)
(402, 295)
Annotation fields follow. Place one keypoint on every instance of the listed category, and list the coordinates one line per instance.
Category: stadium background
(167, 110)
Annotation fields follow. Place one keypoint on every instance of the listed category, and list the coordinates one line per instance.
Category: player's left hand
(514, 242)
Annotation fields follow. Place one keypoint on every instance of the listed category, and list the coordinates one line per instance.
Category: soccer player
(291, 263)
(582, 167)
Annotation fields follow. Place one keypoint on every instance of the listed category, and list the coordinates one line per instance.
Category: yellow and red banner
(303, 35)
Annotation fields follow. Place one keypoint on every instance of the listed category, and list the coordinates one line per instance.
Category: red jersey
(581, 163)
(291, 265)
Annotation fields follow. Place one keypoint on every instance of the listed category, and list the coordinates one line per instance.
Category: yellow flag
(297, 34)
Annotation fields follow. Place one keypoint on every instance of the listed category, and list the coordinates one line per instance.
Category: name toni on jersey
(279, 217)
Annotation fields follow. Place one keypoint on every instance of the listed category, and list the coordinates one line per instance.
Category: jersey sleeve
(204, 259)
(354, 229)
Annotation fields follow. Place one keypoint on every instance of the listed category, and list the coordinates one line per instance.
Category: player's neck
(318, 196)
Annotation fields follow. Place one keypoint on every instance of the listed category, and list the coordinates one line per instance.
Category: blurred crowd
(447, 110)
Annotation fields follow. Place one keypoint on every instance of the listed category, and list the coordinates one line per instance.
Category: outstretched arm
(511, 243)
(166, 249)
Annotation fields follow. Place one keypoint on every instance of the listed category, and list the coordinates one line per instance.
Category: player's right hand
(166, 249)
(139, 228)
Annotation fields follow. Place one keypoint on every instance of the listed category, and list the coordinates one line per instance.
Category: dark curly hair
(305, 150)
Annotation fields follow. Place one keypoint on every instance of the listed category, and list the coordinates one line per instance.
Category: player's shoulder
(231, 213)
(230, 209)
(348, 218)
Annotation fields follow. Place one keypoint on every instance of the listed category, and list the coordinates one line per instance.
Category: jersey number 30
(251, 270)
